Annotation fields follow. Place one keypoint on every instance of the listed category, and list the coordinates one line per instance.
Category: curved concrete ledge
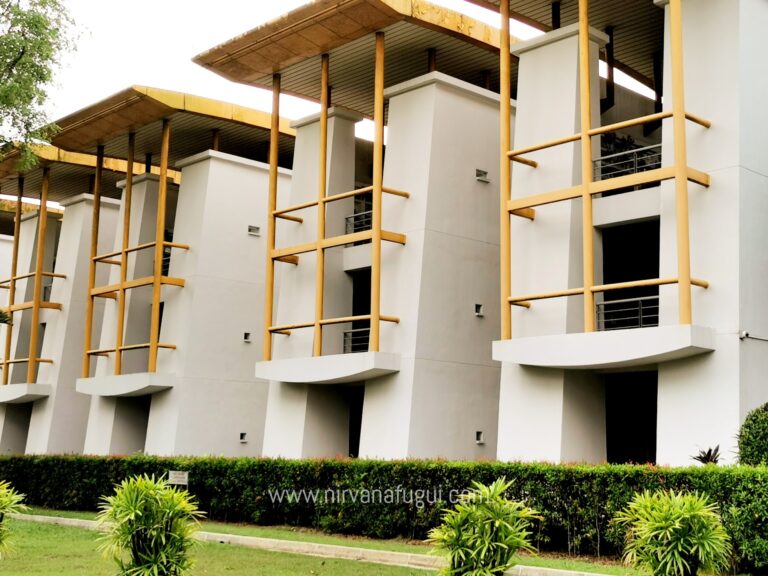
(21, 393)
(333, 369)
(613, 349)
(140, 384)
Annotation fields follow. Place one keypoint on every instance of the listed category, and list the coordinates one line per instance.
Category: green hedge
(577, 502)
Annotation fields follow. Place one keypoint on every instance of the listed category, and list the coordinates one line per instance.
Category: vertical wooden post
(12, 284)
(162, 192)
(585, 97)
(215, 139)
(274, 145)
(378, 185)
(431, 59)
(123, 293)
(34, 332)
(505, 171)
(322, 190)
(92, 262)
(681, 162)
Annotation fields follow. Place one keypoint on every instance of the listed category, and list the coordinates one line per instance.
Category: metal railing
(356, 340)
(359, 222)
(628, 162)
(628, 313)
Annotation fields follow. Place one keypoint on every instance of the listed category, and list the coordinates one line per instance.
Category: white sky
(153, 42)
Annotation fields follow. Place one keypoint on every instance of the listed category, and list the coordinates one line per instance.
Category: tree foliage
(34, 35)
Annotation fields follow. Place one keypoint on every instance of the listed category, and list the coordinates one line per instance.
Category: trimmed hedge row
(388, 499)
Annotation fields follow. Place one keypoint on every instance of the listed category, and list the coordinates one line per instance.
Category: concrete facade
(203, 399)
(48, 416)
(555, 379)
(439, 384)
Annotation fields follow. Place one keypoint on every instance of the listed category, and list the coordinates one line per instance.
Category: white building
(630, 250)
(538, 264)
(378, 341)
(157, 261)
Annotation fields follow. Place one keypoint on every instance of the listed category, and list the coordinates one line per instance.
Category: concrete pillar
(702, 401)
(442, 131)
(58, 422)
(563, 411)
(298, 404)
(216, 405)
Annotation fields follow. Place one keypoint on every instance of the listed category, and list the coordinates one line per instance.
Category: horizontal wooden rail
(31, 274)
(137, 283)
(30, 305)
(26, 361)
(517, 154)
(107, 351)
(602, 186)
(334, 241)
(523, 300)
(286, 328)
(335, 198)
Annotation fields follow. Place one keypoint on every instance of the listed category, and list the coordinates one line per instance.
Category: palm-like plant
(675, 534)
(149, 526)
(10, 503)
(484, 531)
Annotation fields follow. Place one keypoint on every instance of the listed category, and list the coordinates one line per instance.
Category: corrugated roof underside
(352, 66)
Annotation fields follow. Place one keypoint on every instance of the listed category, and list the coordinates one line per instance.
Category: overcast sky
(152, 42)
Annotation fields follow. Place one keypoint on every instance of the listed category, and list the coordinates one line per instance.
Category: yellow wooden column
(322, 190)
(123, 293)
(162, 193)
(12, 284)
(34, 332)
(92, 261)
(274, 146)
(681, 162)
(505, 172)
(378, 186)
(585, 96)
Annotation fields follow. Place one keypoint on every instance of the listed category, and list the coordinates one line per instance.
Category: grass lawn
(43, 549)
(559, 561)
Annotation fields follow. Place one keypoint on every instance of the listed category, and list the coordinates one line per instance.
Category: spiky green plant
(674, 534)
(149, 526)
(10, 503)
(484, 531)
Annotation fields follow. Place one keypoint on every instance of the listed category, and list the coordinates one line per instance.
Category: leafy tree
(34, 35)
(10, 503)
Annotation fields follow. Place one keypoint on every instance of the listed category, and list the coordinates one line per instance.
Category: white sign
(178, 477)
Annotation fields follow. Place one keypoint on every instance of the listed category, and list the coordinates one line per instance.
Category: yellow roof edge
(210, 107)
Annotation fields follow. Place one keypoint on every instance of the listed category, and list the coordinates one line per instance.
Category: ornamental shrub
(753, 437)
(149, 527)
(675, 534)
(10, 503)
(484, 531)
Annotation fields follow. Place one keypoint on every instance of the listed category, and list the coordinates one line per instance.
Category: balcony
(359, 222)
(356, 340)
(628, 313)
(627, 163)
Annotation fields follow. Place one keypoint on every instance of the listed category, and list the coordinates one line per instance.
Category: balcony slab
(607, 350)
(126, 385)
(332, 369)
(22, 393)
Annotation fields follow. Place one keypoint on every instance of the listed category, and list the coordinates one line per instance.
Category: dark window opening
(630, 417)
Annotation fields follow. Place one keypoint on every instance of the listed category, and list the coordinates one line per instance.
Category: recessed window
(481, 176)
(479, 437)
(254, 230)
(246, 337)
(479, 310)
(243, 437)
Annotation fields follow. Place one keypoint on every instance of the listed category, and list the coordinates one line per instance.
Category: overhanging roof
(638, 26)
(293, 44)
(242, 131)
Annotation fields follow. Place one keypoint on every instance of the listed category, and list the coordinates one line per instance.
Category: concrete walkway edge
(404, 559)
